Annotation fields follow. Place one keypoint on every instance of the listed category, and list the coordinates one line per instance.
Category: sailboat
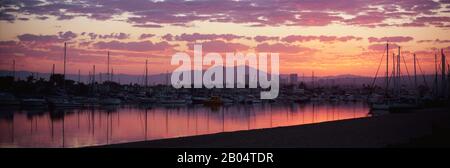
(395, 103)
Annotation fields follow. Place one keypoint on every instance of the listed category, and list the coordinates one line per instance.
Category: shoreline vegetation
(418, 128)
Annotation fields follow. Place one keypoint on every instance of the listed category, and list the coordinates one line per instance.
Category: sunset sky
(330, 37)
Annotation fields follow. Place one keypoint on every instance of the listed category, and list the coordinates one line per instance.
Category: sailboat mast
(435, 75)
(93, 74)
(167, 77)
(415, 72)
(64, 76)
(79, 75)
(53, 69)
(393, 72)
(65, 49)
(387, 69)
(107, 68)
(312, 80)
(398, 70)
(14, 69)
(112, 74)
(146, 73)
(443, 73)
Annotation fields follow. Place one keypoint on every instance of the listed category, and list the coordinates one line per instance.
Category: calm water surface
(109, 125)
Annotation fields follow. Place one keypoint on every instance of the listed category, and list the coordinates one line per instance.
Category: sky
(329, 37)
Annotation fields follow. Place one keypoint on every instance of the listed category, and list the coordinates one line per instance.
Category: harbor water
(80, 127)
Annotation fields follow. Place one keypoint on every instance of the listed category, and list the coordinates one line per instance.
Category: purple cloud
(147, 25)
(61, 37)
(265, 38)
(167, 37)
(281, 48)
(118, 36)
(396, 39)
(220, 46)
(435, 41)
(154, 14)
(197, 36)
(67, 35)
(145, 36)
(328, 39)
(382, 47)
(133, 46)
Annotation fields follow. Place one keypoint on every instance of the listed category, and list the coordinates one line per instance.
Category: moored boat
(110, 101)
(33, 102)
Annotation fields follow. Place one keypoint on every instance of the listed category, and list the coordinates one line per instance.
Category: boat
(256, 101)
(32, 102)
(173, 102)
(227, 101)
(400, 100)
(58, 102)
(199, 100)
(8, 100)
(146, 100)
(302, 99)
(110, 101)
(213, 101)
(238, 99)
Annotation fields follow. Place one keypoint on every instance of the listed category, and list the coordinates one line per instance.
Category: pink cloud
(133, 46)
(118, 36)
(317, 19)
(396, 39)
(145, 36)
(366, 20)
(435, 41)
(148, 25)
(198, 36)
(154, 14)
(61, 37)
(382, 47)
(329, 39)
(167, 37)
(281, 48)
(265, 38)
(220, 46)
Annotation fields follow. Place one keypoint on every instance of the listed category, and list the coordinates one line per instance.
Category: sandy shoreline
(379, 131)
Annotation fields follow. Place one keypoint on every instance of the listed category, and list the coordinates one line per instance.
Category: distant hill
(344, 79)
(122, 78)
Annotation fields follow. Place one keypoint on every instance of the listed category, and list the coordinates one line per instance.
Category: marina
(61, 112)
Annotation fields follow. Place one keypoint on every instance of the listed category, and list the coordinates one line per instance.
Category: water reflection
(113, 124)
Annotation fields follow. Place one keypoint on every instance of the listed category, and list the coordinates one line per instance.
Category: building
(293, 79)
